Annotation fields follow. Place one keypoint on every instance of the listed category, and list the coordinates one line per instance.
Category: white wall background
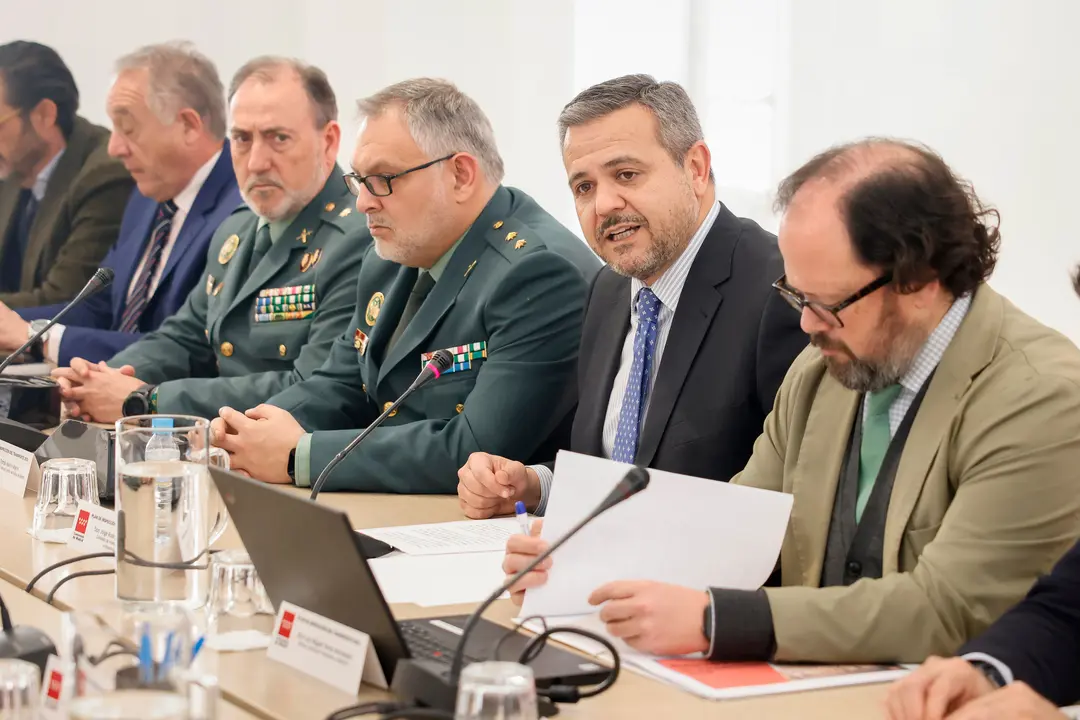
(991, 84)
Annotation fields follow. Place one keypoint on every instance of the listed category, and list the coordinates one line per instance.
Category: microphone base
(26, 643)
(427, 684)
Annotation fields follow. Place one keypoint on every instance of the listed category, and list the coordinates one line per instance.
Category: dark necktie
(424, 283)
(140, 289)
(18, 241)
(262, 244)
(637, 385)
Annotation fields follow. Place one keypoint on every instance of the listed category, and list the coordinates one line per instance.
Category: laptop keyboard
(423, 643)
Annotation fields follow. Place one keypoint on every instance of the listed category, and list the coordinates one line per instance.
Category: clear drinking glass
(64, 483)
(168, 513)
(237, 601)
(20, 690)
(496, 691)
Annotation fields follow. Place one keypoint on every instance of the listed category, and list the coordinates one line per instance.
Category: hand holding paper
(682, 531)
(654, 617)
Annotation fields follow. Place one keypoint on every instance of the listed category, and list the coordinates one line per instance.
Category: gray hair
(180, 77)
(679, 128)
(267, 68)
(442, 120)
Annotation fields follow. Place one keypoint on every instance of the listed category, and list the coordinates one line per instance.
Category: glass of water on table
(168, 510)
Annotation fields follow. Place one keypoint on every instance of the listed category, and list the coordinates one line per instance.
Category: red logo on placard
(287, 619)
(82, 522)
(56, 681)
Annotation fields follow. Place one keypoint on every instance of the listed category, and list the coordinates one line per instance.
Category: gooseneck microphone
(102, 278)
(429, 684)
(635, 480)
(440, 362)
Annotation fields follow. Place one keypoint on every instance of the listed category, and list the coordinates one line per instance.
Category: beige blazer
(986, 497)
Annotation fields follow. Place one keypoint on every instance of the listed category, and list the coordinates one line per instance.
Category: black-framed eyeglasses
(829, 314)
(379, 185)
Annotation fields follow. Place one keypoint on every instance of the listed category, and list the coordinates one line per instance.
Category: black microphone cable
(390, 711)
(78, 558)
(72, 576)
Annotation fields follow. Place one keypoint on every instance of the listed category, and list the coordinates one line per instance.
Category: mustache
(613, 220)
(824, 342)
(262, 180)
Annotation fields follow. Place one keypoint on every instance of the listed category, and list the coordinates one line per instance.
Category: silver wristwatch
(35, 327)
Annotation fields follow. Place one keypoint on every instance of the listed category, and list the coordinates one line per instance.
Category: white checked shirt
(928, 358)
(668, 288)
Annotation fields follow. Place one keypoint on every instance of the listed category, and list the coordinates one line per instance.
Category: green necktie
(262, 244)
(423, 285)
(876, 437)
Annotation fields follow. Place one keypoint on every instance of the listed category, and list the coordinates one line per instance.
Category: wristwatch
(37, 350)
(141, 401)
(707, 621)
(291, 469)
(989, 672)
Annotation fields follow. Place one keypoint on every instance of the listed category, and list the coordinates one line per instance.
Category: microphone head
(103, 277)
(442, 360)
(636, 479)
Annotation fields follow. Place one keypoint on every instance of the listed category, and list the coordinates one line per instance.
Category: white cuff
(52, 347)
(1002, 668)
(546, 477)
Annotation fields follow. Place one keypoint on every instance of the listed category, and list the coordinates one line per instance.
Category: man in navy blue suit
(167, 106)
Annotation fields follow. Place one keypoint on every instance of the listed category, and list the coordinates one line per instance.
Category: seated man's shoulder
(528, 230)
(1032, 368)
(98, 169)
(342, 237)
(1026, 348)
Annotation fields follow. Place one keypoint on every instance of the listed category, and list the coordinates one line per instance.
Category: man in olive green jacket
(280, 274)
(63, 197)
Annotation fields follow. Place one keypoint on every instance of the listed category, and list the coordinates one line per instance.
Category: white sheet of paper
(466, 536)
(15, 465)
(432, 580)
(682, 530)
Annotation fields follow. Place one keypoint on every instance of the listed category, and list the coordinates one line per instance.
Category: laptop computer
(309, 555)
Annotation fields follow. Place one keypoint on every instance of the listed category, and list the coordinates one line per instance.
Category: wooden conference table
(266, 689)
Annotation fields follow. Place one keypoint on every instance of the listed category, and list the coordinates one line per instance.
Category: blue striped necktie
(637, 385)
(140, 292)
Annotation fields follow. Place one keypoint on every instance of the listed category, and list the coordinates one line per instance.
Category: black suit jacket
(731, 342)
(1039, 639)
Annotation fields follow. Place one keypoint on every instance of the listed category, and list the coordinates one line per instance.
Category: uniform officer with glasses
(929, 436)
(460, 263)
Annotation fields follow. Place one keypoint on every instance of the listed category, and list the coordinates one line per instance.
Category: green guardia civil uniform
(508, 301)
(256, 327)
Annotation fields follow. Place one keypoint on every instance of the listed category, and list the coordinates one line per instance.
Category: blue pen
(522, 517)
(166, 662)
(196, 648)
(146, 659)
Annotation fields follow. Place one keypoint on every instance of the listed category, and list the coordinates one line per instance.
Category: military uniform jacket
(509, 303)
(76, 223)
(239, 340)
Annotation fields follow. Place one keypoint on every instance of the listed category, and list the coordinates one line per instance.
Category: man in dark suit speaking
(684, 342)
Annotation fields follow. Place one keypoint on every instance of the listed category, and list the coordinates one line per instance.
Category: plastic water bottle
(162, 448)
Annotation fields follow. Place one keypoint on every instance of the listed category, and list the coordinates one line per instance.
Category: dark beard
(899, 348)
